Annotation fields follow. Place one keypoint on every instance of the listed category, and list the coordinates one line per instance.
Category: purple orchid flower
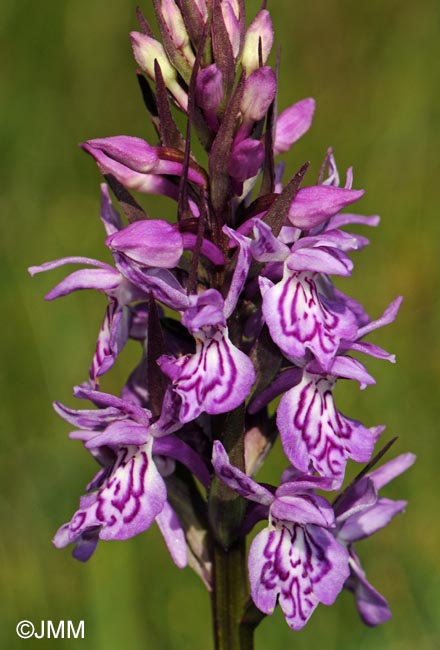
(361, 512)
(231, 305)
(120, 292)
(296, 559)
(219, 376)
(314, 432)
(141, 261)
(138, 166)
(137, 155)
(245, 161)
(301, 311)
(129, 493)
(142, 243)
(298, 315)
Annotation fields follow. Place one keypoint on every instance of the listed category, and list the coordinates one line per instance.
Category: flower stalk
(228, 598)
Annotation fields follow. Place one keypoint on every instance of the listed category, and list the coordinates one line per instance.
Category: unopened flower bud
(176, 27)
(146, 51)
(143, 242)
(292, 124)
(246, 159)
(209, 93)
(203, 9)
(131, 152)
(231, 14)
(260, 29)
(259, 93)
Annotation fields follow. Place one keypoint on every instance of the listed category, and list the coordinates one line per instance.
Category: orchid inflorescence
(233, 306)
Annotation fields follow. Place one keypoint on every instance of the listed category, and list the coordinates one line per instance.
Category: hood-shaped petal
(265, 247)
(360, 495)
(122, 432)
(161, 282)
(332, 238)
(155, 182)
(205, 311)
(132, 152)
(303, 509)
(320, 260)
(346, 367)
(293, 481)
(314, 205)
(138, 156)
(151, 242)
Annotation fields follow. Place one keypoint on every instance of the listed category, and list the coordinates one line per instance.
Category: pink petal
(313, 431)
(216, 379)
(173, 535)
(152, 242)
(298, 319)
(292, 123)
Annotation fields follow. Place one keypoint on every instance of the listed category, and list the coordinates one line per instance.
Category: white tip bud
(260, 29)
(146, 51)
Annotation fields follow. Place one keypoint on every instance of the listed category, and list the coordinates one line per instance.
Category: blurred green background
(67, 75)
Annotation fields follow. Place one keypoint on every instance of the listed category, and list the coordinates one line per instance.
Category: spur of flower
(232, 297)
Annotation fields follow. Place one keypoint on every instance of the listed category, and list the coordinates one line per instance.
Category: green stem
(229, 591)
